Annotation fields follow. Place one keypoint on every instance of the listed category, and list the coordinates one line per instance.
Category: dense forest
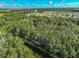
(35, 36)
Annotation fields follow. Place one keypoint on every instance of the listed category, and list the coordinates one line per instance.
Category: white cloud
(67, 4)
(72, 4)
(1, 5)
(50, 2)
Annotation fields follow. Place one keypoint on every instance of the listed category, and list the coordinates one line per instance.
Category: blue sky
(38, 3)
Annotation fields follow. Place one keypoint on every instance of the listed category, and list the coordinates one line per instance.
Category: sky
(39, 3)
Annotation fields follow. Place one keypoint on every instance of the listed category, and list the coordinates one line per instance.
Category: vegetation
(57, 36)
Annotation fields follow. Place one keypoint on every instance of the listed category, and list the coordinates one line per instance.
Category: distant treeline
(29, 10)
(47, 9)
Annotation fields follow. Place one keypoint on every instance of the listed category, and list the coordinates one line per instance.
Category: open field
(1, 14)
(30, 34)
